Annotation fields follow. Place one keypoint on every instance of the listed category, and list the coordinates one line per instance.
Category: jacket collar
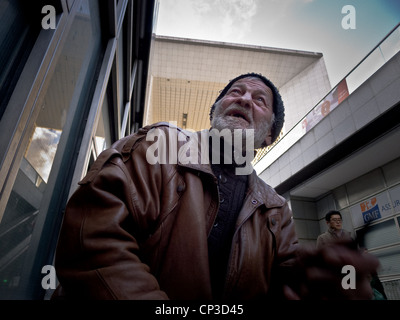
(259, 192)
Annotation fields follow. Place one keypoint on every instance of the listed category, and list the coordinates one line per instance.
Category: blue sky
(311, 25)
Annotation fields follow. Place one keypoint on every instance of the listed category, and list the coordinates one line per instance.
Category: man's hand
(319, 273)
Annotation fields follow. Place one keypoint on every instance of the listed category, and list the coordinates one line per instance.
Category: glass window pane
(103, 132)
(17, 37)
(121, 73)
(67, 89)
(390, 261)
(395, 197)
(384, 233)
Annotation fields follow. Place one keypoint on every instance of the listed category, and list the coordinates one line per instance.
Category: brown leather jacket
(139, 231)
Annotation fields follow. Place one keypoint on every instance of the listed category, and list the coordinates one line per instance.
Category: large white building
(186, 75)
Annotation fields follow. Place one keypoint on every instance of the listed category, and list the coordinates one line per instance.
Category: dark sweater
(232, 191)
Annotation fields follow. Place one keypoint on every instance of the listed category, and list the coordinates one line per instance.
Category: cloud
(237, 16)
(202, 7)
(42, 150)
(224, 20)
(207, 19)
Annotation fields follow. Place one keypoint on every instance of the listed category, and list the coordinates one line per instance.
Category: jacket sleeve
(287, 243)
(320, 241)
(286, 248)
(98, 254)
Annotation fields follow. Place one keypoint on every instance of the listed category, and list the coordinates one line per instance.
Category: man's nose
(245, 100)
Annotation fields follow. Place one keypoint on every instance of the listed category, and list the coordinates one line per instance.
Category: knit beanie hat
(278, 107)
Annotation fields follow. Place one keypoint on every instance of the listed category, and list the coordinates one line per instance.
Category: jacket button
(222, 178)
(273, 221)
(254, 201)
(180, 188)
(216, 222)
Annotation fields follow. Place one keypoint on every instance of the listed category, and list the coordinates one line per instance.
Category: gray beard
(219, 122)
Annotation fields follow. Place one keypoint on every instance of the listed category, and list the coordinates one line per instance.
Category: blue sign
(372, 214)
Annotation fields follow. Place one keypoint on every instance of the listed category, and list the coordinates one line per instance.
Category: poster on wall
(331, 101)
(375, 208)
(395, 196)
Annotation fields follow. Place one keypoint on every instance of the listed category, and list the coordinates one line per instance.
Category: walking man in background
(335, 230)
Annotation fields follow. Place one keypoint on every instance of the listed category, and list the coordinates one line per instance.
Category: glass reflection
(66, 90)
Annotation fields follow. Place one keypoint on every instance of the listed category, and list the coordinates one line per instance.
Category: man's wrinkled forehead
(257, 84)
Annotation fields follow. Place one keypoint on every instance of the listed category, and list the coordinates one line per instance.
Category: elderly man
(158, 220)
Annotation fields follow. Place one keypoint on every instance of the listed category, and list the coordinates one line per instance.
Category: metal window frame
(123, 123)
(24, 104)
(94, 115)
(27, 99)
